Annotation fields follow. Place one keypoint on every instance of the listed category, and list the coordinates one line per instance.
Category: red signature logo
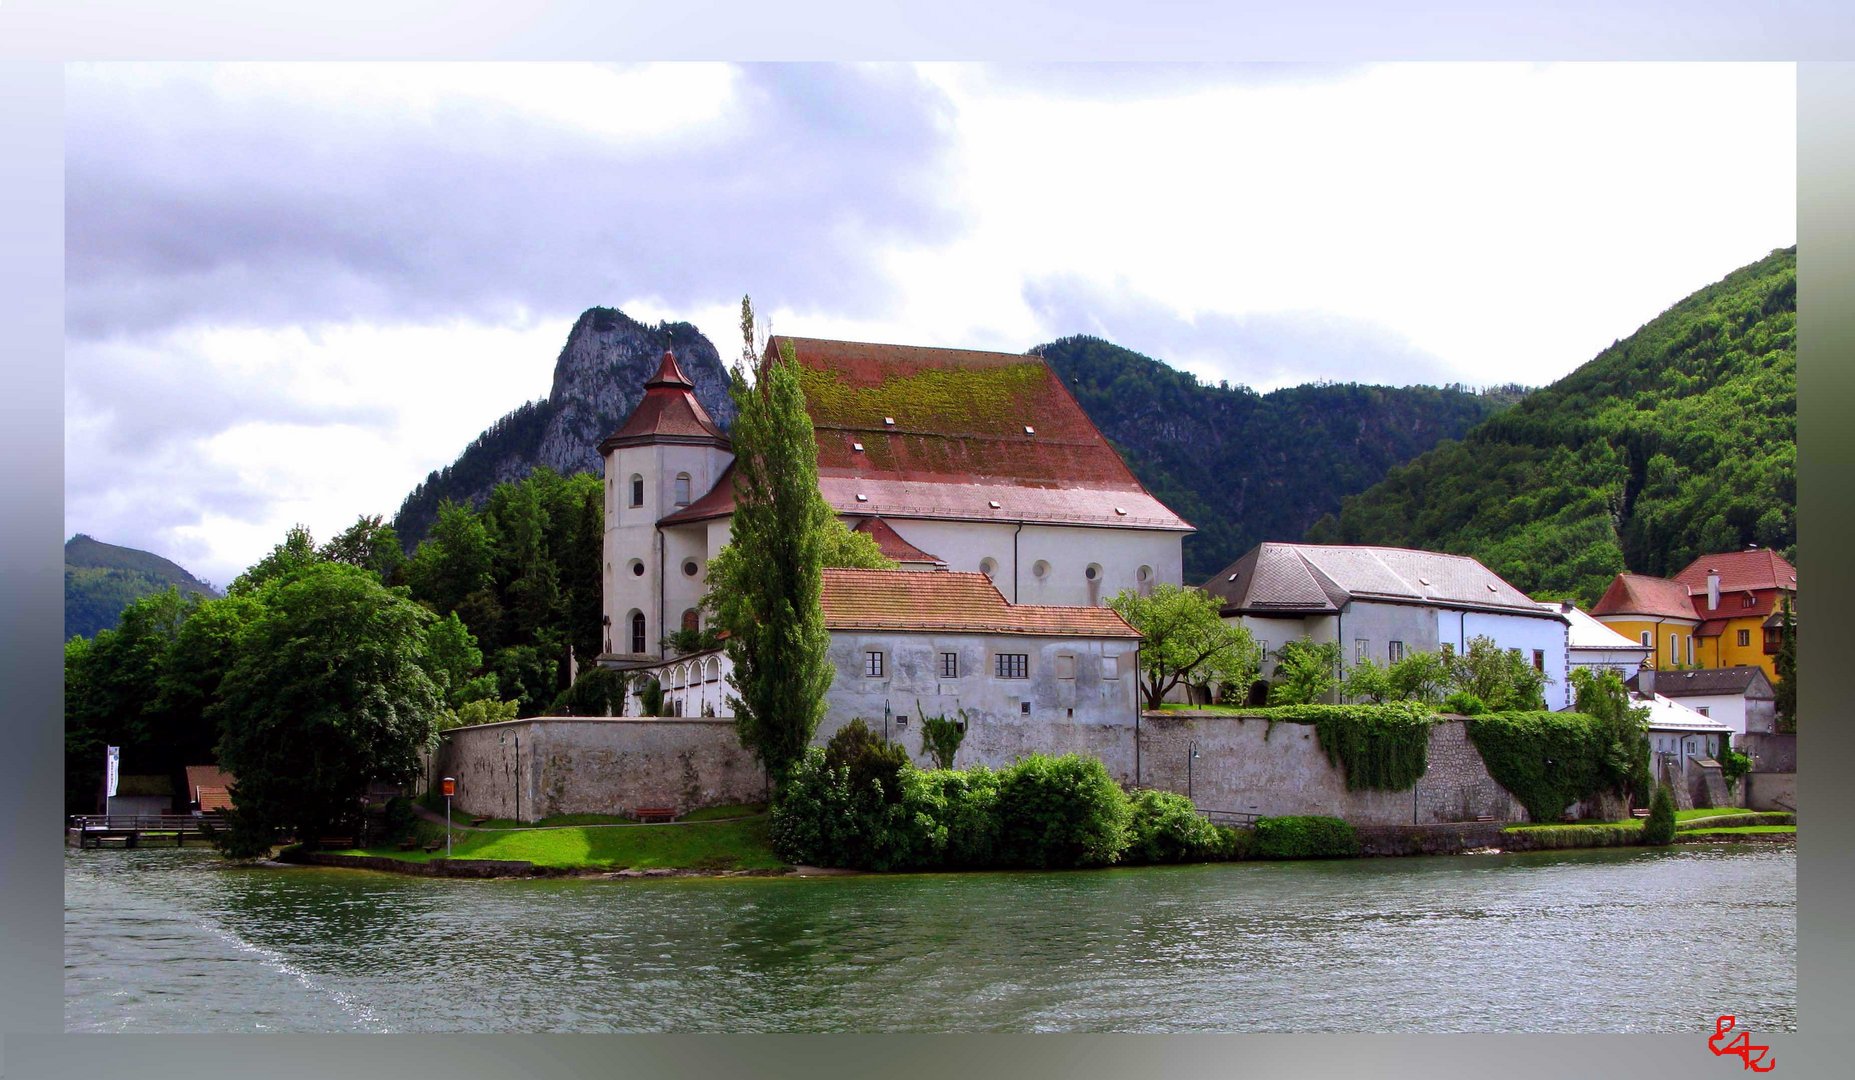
(1740, 1047)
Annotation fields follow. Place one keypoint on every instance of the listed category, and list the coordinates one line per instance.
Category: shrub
(963, 807)
(1551, 760)
(941, 737)
(397, 820)
(597, 692)
(1660, 827)
(650, 697)
(844, 805)
(1304, 838)
(1059, 812)
(1464, 703)
(1167, 828)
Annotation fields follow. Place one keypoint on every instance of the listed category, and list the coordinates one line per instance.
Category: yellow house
(1656, 612)
(1738, 596)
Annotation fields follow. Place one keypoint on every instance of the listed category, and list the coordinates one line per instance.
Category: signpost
(450, 789)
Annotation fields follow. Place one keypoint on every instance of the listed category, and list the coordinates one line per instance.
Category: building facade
(1721, 611)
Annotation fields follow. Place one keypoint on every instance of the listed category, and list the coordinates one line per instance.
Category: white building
(1381, 603)
(1741, 697)
(974, 461)
(1597, 647)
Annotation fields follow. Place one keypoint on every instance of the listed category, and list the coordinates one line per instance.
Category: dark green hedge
(1304, 837)
(1550, 760)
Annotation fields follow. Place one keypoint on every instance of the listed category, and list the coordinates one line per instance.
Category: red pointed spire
(670, 374)
(668, 412)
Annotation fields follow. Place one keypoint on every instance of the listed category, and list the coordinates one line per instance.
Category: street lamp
(450, 789)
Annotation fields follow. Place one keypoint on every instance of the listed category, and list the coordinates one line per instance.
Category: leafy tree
(452, 565)
(198, 656)
(1305, 672)
(484, 711)
(1660, 827)
(767, 598)
(1501, 678)
(1603, 697)
(1186, 640)
(112, 687)
(297, 550)
(1366, 681)
(1787, 667)
(845, 548)
(1420, 676)
(371, 545)
(329, 692)
(451, 658)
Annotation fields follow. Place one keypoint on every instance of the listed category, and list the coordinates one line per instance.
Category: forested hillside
(101, 579)
(1246, 467)
(1677, 441)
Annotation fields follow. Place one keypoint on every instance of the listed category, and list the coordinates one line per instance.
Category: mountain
(101, 579)
(1246, 467)
(598, 379)
(1676, 441)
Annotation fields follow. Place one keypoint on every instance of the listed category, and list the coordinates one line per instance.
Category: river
(1585, 941)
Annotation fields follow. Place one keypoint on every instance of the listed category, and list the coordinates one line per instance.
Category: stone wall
(1771, 791)
(606, 765)
(1769, 752)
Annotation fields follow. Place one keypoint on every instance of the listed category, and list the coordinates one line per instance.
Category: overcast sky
(295, 289)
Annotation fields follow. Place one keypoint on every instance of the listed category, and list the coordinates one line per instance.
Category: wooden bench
(476, 821)
(335, 841)
(1484, 817)
(648, 813)
(433, 846)
(408, 844)
(1639, 813)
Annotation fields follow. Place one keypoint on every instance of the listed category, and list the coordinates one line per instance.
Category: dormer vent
(993, 503)
(888, 421)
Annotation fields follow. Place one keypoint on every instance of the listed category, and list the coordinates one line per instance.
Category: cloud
(238, 195)
(1264, 350)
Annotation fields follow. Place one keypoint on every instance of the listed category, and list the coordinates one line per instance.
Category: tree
(329, 692)
(370, 544)
(1500, 678)
(1368, 682)
(198, 656)
(1660, 827)
(1305, 672)
(452, 564)
(769, 601)
(1185, 640)
(1420, 676)
(297, 550)
(1603, 697)
(112, 685)
(1787, 667)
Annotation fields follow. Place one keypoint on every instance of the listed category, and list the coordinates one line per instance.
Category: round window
(1092, 572)
(637, 568)
(1040, 568)
(690, 569)
(1144, 573)
(988, 567)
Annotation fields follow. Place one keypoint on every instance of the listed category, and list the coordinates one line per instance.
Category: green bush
(1551, 760)
(1304, 837)
(397, 820)
(1167, 828)
(1057, 812)
(961, 806)
(1464, 703)
(844, 805)
(1660, 828)
(1551, 837)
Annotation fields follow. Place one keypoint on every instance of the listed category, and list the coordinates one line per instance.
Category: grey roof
(1315, 579)
(1745, 680)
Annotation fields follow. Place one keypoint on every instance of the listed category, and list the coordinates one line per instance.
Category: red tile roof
(890, 543)
(204, 779)
(1639, 594)
(668, 412)
(953, 602)
(1758, 568)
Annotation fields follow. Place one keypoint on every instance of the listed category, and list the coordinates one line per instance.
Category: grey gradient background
(36, 35)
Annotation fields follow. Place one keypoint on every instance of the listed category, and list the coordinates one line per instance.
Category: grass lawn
(718, 845)
(1739, 830)
(711, 813)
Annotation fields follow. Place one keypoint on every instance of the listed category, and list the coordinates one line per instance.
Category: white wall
(1068, 550)
(1527, 633)
(1728, 709)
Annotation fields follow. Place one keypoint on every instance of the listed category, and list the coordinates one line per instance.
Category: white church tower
(667, 453)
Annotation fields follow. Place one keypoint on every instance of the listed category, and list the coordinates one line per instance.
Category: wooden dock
(135, 830)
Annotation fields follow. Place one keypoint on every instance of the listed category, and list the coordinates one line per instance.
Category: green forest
(1245, 467)
(101, 579)
(1676, 441)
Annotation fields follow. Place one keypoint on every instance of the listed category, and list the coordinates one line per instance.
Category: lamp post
(1189, 758)
(450, 789)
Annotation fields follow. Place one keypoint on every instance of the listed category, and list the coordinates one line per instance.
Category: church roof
(912, 432)
(953, 602)
(1300, 579)
(890, 543)
(668, 412)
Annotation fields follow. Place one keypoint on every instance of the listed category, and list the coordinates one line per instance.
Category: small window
(1539, 659)
(1024, 708)
(637, 568)
(949, 665)
(637, 632)
(692, 621)
(1749, 601)
(1092, 572)
(691, 568)
(1262, 645)
(1065, 667)
(1674, 648)
(988, 567)
(1361, 649)
(1012, 665)
(1395, 651)
(1039, 569)
(872, 663)
(1704, 710)
(1645, 639)
(1110, 667)
(1745, 638)
(637, 490)
(682, 489)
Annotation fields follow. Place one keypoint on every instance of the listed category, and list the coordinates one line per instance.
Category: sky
(293, 290)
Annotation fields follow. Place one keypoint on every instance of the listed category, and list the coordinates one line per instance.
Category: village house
(975, 461)
(1595, 647)
(1741, 698)
(1383, 603)
(1721, 611)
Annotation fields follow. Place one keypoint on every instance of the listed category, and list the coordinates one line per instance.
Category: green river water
(1639, 940)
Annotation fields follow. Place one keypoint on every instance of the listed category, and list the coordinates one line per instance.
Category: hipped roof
(1312, 579)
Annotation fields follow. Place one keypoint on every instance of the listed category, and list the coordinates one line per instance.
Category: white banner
(110, 762)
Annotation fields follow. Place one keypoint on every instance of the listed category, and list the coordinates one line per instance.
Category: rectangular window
(1749, 601)
(1012, 665)
(1065, 667)
(872, 663)
(1110, 667)
(1024, 707)
(949, 665)
(637, 491)
(1704, 710)
(1539, 659)
(1745, 638)
(1264, 646)
(1645, 640)
(1360, 648)
(1674, 648)
(1396, 652)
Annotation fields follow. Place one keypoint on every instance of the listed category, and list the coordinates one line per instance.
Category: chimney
(1713, 589)
(1645, 681)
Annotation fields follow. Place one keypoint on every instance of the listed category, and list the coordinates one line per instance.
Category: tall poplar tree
(1787, 667)
(770, 609)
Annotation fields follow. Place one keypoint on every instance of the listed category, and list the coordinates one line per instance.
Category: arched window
(637, 632)
(692, 621)
(682, 489)
(637, 490)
